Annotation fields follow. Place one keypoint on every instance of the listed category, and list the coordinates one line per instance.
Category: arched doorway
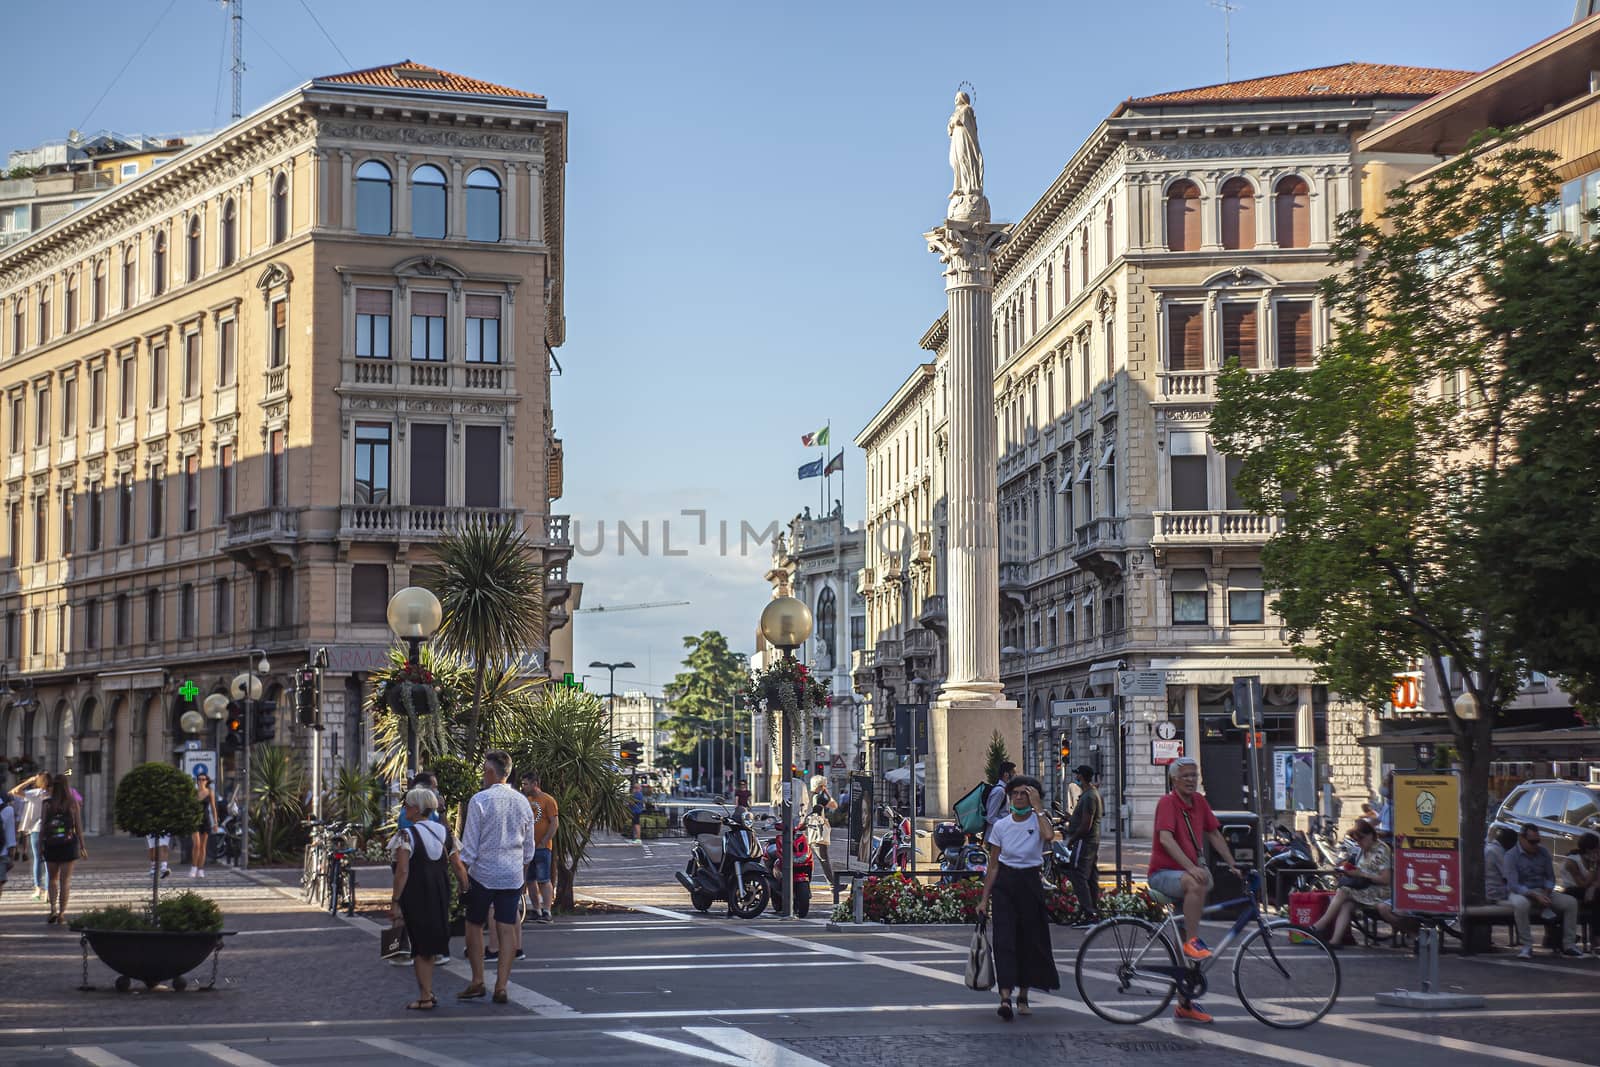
(90, 768)
(11, 731)
(47, 749)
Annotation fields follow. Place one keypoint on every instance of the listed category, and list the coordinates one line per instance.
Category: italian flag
(815, 440)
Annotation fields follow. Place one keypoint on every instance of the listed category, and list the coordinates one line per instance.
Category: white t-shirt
(1021, 844)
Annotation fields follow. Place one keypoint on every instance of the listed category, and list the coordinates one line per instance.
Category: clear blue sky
(747, 187)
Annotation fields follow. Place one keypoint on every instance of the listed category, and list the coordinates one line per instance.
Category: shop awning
(1510, 737)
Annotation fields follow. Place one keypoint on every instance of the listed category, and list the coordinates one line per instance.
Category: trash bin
(1242, 831)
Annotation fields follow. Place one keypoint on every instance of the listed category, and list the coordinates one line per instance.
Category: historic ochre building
(242, 394)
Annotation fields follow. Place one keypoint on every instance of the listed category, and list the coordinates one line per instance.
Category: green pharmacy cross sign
(571, 682)
(189, 691)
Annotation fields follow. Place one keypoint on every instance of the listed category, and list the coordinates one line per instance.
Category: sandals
(1022, 1005)
(500, 997)
(472, 992)
(423, 1004)
(1004, 1010)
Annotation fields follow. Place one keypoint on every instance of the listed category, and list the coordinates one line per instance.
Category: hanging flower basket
(412, 693)
(787, 683)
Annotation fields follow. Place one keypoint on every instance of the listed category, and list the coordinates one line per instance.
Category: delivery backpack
(971, 810)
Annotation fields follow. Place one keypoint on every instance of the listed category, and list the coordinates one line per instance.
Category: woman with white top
(1020, 923)
(425, 853)
(30, 793)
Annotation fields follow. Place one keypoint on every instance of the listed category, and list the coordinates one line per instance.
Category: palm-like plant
(492, 595)
(277, 796)
(442, 735)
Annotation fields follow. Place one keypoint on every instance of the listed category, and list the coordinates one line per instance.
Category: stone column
(971, 705)
(1191, 723)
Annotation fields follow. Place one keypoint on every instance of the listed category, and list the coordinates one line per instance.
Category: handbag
(394, 943)
(980, 959)
(1354, 881)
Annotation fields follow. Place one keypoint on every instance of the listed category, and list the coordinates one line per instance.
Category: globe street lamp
(786, 623)
(611, 690)
(246, 689)
(414, 615)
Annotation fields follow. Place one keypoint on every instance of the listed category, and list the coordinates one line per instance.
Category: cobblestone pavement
(662, 985)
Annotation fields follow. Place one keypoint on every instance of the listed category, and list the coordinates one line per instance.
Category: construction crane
(634, 607)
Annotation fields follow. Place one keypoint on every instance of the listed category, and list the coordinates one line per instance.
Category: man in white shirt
(497, 845)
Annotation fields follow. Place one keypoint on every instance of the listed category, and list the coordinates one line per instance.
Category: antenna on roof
(1227, 8)
(236, 31)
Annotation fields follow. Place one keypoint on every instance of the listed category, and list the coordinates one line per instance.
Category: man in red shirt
(1183, 820)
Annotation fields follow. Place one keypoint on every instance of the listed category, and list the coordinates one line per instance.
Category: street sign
(191, 746)
(1427, 843)
(200, 761)
(1162, 753)
(1063, 709)
(1142, 683)
(838, 762)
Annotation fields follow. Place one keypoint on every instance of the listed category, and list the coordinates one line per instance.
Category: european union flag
(811, 470)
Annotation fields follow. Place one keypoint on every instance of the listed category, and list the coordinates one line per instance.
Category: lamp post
(786, 623)
(414, 615)
(611, 690)
(247, 690)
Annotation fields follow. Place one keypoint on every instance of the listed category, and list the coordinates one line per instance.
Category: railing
(481, 377)
(265, 524)
(863, 659)
(1208, 526)
(933, 609)
(371, 372)
(1099, 531)
(429, 374)
(558, 530)
(921, 643)
(383, 521)
(1013, 574)
(1186, 386)
(888, 652)
(277, 381)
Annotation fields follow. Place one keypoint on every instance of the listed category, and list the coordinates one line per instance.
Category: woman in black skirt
(1020, 923)
(424, 852)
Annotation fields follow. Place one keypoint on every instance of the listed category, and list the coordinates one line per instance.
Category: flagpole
(822, 486)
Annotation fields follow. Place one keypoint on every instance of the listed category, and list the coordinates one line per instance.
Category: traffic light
(308, 702)
(1066, 747)
(820, 767)
(628, 752)
(233, 740)
(265, 721)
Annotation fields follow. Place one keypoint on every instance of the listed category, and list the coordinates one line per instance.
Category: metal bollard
(858, 903)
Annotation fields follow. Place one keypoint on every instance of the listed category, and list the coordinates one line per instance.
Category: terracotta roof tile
(1345, 79)
(408, 75)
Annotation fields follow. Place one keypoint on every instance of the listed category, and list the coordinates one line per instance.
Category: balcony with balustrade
(1185, 387)
(863, 662)
(267, 535)
(1100, 547)
(410, 522)
(933, 615)
(889, 653)
(391, 375)
(1213, 528)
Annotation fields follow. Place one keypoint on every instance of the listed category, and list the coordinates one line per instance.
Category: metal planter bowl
(151, 956)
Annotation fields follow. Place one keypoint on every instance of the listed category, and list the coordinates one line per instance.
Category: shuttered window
(1294, 333)
(1186, 457)
(427, 464)
(427, 326)
(1185, 347)
(482, 467)
(1239, 335)
(1183, 217)
(1238, 214)
(483, 329)
(373, 323)
(1292, 205)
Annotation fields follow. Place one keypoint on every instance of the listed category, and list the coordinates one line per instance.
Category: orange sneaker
(1191, 1012)
(1195, 949)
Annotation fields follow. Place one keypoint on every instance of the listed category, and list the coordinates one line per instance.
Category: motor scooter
(893, 848)
(960, 855)
(725, 863)
(802, 872)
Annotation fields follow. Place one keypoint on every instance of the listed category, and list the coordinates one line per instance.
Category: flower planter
(151, 956)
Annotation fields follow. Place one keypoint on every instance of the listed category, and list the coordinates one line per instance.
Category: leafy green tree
(492, 594)
(997, 755)
(701, 697)
(156, 799)
(1384, 456)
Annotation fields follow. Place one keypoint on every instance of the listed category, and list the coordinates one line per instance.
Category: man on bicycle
(1183, 819)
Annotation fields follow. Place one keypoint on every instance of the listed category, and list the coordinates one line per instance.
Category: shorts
(163, 841)
(480, 898)
(539, 869)
(1168, 883)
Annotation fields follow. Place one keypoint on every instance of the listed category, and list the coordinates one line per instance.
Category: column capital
(967, 251)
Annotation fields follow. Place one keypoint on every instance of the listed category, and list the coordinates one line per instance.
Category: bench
(1477, 926)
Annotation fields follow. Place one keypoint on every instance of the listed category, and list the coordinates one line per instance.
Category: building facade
(819, 561)
(638, 716)
(246, 391)
(1190, 229)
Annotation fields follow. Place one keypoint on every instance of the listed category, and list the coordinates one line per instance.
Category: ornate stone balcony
(1100, 547)
(1185, 387)
(263, 534)
(405, 522)
(392, 374)
(933, 615)
(888, 653)
(1214, 527)
(921, 644)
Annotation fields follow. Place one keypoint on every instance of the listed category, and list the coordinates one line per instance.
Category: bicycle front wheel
(1126, 970)
(1285, 976)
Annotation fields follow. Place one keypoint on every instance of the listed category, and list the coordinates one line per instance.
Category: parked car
(1563, 811)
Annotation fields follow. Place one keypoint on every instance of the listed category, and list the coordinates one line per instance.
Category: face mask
(1022, 810)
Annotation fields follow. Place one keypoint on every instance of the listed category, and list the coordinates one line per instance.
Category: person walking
(159, 847)
(30, 792)
(1020, 923)
(424, 854)
(61, 839)
(636, 808)
(546, 820)
(497, 845)
(995, 805)
(1083, 838)
(208, 824)
(8, 837)
(1183, 819)
(817, 829)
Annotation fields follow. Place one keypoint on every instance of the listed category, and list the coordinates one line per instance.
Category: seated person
(1365, 883)
(1531, 878)
(1500, 842)
(1580, 878)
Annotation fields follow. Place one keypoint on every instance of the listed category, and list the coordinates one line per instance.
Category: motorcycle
(893, 848)
(1062, 857)
(725, 863)
(1288, 861)
(960, 855)
(802, 872)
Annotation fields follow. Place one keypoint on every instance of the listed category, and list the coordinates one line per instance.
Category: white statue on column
(967, 202)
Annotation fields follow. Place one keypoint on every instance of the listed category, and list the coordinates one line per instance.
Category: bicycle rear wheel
(347, 881)
(1126, 970)
(1285, 976)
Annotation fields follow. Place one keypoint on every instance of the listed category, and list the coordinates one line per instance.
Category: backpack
(58, 828)
(972, 809)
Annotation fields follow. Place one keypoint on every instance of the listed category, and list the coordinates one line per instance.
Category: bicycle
(327, 875)
(1284, 975)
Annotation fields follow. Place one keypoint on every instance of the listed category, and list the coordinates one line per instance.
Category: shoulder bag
(980, 958)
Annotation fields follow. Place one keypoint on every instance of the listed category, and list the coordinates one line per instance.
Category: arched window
(374, 199)
(158, 265)
(1111, 231)
(1183, 217)
(1292, 206)
(230, 233)
(483, 205)
(826, 620)
(280, 209)
(193, 249)
(130, 275)
(427, 202)
(1238, 214)
(69, 308)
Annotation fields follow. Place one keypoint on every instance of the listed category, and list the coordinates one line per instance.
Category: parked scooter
(1061, 857)
(1289, 860)
(725, 863)
(960, 855)
(893, 848)
(802, 872)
